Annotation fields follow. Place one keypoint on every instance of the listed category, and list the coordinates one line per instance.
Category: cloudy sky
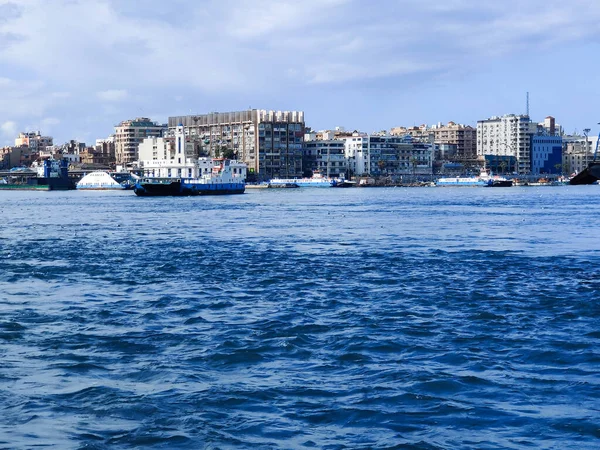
(75, 68)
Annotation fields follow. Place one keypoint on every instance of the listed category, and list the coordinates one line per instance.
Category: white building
(352, 145)
(174, 158)
(381, 154)
(168, 156)
(506, 141)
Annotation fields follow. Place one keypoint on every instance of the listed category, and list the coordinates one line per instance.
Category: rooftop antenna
(527, 104)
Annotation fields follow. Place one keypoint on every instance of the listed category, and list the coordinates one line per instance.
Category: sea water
(425, 318)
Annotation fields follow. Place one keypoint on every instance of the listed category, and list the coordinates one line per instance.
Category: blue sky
(73, 69)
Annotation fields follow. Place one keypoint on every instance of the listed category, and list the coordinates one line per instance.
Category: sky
(73, 69)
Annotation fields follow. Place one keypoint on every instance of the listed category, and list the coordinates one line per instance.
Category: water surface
(309, 318)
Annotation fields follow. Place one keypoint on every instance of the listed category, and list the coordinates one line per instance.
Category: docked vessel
(589, 175)
(49, 175)
(101, 180)
(225, 177)
(317, 180)
(485, 179)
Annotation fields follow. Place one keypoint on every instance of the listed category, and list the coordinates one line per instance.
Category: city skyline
(74, 70)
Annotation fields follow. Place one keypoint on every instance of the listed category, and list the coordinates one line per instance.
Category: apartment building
(269, 142)
(34, 141)
(578, 152)
(388, 155)
(461, 138)
(505, 142)
(130, 133)
(325, 156)
(421, 133)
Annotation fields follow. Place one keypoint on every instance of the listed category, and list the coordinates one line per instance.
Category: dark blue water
(360, 318)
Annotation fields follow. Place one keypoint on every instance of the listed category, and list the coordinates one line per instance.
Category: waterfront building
(324, 156)
(34, 141)
(388, 155)
(578, 152)
(505, 143)
(269, 142)
(177, 147)
(460, 138)
(352, 143)
(130, 133)
(174, 157)
(546, 154)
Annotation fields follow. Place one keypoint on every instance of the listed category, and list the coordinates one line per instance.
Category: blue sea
(396, 318)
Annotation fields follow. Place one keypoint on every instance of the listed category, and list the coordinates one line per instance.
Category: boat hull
(463, 183)
(181, 189)
(501, 183)
(589, 175)
(305, 182)
(102, 188)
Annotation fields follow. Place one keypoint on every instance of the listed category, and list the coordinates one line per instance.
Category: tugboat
(226, 177)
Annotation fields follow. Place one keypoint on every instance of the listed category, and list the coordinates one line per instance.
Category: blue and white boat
(317, 180)
(484, 179)
(225, 177)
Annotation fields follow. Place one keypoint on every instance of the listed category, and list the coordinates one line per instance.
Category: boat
(589, 175)
(485, 179)
(101, 180)
(225, 177)
(317, 180)
(49, 175)
(345, 183)
(282, 185)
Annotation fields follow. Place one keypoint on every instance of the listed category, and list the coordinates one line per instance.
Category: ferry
(485, 179)
(47, 175)
(101, 180)
(317, 180)
(225, 177)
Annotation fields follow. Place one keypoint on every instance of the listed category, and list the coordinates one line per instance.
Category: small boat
(282, 185)
(345, 183)
(485, 179)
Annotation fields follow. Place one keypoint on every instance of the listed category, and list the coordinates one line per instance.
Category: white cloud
(48, 124)
(9, 129)
(178, 51)
(112, 95)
